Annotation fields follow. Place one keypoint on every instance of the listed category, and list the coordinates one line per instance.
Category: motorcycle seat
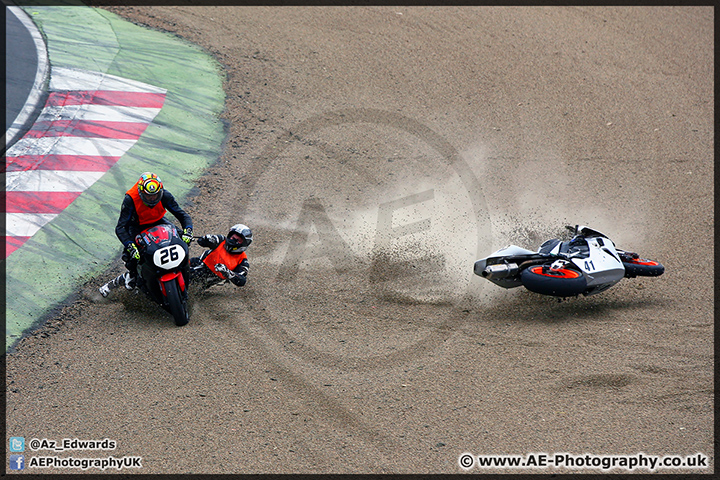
(548, 245)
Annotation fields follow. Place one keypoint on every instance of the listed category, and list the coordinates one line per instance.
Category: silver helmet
(238, 238)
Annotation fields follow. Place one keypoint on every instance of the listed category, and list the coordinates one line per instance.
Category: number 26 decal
(171, 255)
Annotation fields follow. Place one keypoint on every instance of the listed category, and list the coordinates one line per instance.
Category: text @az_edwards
(67, 444)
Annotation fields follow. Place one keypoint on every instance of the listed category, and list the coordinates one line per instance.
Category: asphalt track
(21, 65)
(27, 71)
(362, 343)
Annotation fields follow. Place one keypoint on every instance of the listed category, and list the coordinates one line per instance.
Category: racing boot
(104, 290)
(125, 280)
(129, 281)
(114, 283)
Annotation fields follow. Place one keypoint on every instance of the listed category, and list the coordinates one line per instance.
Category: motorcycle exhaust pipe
(501, 270)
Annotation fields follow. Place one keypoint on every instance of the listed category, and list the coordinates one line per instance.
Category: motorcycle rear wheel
(561, 283)
(640, 267)
(178, 307)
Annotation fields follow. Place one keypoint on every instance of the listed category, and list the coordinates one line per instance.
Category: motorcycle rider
(144, 206)
(226, 258)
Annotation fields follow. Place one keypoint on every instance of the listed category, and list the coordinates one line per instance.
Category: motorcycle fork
(169, 277)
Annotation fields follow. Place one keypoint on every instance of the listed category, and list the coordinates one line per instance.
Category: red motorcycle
(163, 271)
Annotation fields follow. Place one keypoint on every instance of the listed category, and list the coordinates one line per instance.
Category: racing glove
(133, 251)
(240, 278)
(222, 268)
(209, 241)
(187, 235)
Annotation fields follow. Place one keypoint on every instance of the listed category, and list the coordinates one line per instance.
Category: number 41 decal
(589, 265)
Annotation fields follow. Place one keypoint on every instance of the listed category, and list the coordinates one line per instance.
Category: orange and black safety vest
(220, 255)
(146, 215)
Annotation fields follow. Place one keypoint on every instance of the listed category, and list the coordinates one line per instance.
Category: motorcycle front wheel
(640, 267)
(178, 306)
(560, 283)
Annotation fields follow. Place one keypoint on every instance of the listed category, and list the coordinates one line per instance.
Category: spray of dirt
(531, 198)
(406, 215)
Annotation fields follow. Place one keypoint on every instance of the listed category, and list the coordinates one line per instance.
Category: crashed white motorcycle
(587, 264)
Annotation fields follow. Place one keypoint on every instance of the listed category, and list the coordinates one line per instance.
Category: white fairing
(603, 265)
(169, 257)
(511, 250)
